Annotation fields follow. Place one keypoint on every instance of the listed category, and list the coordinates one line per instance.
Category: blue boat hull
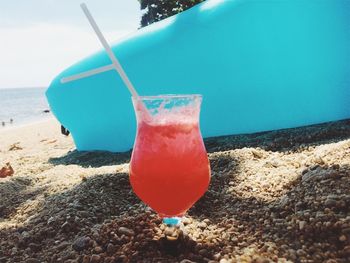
(260, 65)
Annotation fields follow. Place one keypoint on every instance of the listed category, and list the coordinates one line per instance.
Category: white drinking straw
(87, 73)
(109, 51)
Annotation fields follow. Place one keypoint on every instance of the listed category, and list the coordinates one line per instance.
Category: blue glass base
(172, 221)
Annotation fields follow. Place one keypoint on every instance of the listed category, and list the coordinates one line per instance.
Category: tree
(156, 10)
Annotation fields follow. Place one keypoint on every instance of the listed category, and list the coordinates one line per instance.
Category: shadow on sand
(311, 216)
(115, 225)
(92, 159)
(21, 186)
(286, 140)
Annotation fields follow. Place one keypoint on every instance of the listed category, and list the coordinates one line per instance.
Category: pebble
(34, 247)
(261, 260)
(292, 254)
(98, 249)
(342, 238)
(25, 234)
(110, 248)
(330, 202)
(126, 231)
(95, 258)
(63, 245)
(301, 252)
(186, 221)
(202, 225)
(81, 243)
(257, 154)
(302, 225)
(86, 259)
(65, 226)
(51, 220)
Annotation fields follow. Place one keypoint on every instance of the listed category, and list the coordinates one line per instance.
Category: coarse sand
(281, 196)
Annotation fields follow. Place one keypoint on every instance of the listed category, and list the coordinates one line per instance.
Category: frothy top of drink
(164, 111)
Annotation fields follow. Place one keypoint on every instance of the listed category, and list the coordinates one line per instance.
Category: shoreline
(23, 106)
(11, 127)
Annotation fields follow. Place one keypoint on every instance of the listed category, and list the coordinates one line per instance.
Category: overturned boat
(260, 65)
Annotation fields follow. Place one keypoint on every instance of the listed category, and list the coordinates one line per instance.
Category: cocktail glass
(169, 168)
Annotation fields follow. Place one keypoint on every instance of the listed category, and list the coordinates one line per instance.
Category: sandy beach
(280, 196)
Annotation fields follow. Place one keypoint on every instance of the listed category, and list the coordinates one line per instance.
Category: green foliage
(156, 10)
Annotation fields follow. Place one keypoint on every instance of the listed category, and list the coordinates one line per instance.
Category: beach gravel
(281, 196)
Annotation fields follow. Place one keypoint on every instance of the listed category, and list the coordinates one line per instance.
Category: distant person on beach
(11, 121)
(3, 124)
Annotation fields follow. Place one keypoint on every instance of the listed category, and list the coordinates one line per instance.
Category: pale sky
(40, 38)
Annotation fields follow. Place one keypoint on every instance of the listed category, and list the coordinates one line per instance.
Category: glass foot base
(172, 221)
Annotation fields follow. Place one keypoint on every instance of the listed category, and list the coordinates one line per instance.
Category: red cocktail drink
(169, 168)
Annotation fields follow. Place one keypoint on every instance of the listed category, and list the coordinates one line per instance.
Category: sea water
(22, 106)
